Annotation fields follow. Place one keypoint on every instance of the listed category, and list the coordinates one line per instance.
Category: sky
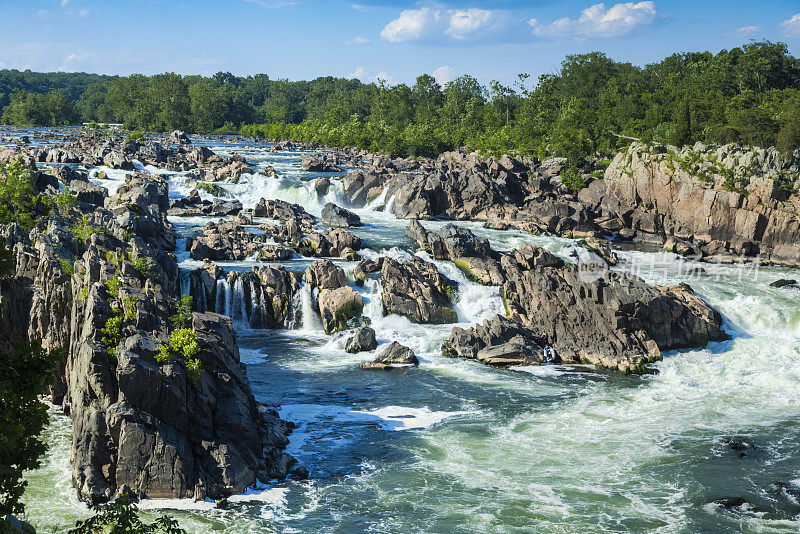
(373, 39)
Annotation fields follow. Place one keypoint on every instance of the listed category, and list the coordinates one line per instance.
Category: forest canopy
(748, 95)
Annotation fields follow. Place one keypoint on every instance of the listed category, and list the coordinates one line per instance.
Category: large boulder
(363, 339)
(337, 217)
(324, 274)
(417, 290)
(393, 355)
(338, 306)
(499, 341)
(224, 241)
(319, 163)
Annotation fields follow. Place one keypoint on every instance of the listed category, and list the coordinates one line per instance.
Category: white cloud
(64, 3)
(360, 73)
(82, 13)
(599, 21)
(43, 13)
(745, 31)
(455, 24)
(357, 40)
(444, 74)
(384, 76)
(791, 27)
(361, 8)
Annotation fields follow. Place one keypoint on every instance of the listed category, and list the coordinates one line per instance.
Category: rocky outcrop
(605, 317)
(320, 163)
(723, 200)
(393, 355)
(500, 341)
(98, 286)
(338, 306)
(224, 240)
(337, 217)
(324, 274)
(361, 187)
(363, 339)
(194, 205)
(417, 290)
(331, 243)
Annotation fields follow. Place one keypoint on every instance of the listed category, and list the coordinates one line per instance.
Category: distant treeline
(749, 95)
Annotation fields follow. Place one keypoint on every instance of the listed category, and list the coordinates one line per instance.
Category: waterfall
(183, 276)
(303, 315)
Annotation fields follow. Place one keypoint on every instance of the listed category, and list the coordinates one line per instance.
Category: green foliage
(143, 265)
(683, 127)
(32, 109)
(121, 516)
(64, 201)
(182, 316)
(747, 94)
(17, 194)
(572, 179)
(83, 230)
(130, 303)
(113, 286)
(67, 266)
(184, 342)
(135, 136)
(194, 370)
(163, 354)
(111, 333)
(25, 374)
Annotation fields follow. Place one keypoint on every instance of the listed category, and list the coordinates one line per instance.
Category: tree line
(749, 95)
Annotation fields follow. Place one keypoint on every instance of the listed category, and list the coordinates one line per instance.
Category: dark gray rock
(337, 217)
(363, 340)
(393, 355)
(417, 290)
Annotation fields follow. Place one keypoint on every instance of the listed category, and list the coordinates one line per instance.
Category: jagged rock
(417, 290)
(179, 137)
(274, 253)
(338, 306)
(319, 163)
(501, 341)
(361, 187)
(366, 266)
(193, 205)
(337, 217)
(284, 211)
(602, 249)
(607, 318)
(226, 240)
(333, 242)
(324, 274)
(471, 254)
(393, 355)
(321, 185)
(88, 192)
(363, 340)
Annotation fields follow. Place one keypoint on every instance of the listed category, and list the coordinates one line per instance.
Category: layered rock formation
(98, 282)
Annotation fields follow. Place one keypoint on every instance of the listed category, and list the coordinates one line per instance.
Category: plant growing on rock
(84, 230)
(67, 266)
(143, 266)
(571, 178)
(17, 194)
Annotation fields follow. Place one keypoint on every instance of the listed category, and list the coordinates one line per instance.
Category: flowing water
(455, 446)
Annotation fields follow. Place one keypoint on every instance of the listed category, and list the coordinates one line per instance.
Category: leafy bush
(184, 342)
(194, 370)
(17, 194)
(572, 179)
(83, 230)
(183, 311)
(111, 333)
(121, 516)
(135, 136)
(67, 267)
(163, 355)
(25, 374)
(142, 265)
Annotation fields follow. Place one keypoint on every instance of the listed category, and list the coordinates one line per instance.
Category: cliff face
(99, 286)
(725, 200)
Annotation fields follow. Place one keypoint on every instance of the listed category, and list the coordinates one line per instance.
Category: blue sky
(370, 39)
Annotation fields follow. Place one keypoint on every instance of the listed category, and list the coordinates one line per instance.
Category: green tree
(683, 126)
(25, 373)
(17, 194)
(121, 516)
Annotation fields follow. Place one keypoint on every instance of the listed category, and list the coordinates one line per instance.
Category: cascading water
(454, 443)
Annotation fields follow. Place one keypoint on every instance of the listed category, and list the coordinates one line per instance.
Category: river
(455, 446)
